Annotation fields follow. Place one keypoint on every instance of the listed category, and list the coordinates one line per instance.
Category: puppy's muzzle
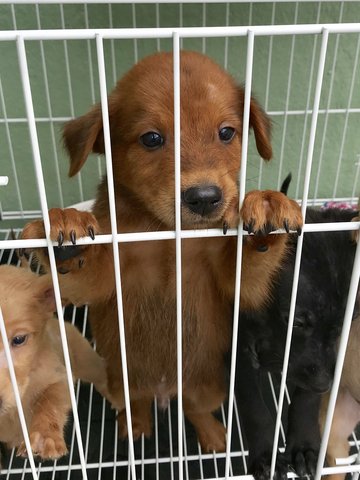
(202, 200)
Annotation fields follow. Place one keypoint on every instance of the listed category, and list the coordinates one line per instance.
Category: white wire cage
(305, 142)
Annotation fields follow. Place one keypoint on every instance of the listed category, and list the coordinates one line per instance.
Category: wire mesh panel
(301, 61)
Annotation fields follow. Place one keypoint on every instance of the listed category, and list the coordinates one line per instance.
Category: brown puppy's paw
(213, 437)
(268, 210)
(46, 446)
(141, 424)
(66, 225)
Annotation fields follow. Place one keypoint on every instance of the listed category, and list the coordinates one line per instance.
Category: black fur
(324, 280)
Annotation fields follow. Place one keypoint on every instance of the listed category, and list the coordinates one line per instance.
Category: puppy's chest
(150, 305)
(151, 329)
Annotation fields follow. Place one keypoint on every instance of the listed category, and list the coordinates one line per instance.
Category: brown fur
(347, 408)
(144, 188)
(27, 303)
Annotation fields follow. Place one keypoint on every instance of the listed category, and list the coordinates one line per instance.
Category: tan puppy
(142, 134)
(347, 409)
(27, 304)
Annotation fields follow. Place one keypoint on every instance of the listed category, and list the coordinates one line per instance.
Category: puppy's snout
(203, 199)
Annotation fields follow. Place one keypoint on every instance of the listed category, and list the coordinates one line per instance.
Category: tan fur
(27, 303)
(144, 188)
(347, 408)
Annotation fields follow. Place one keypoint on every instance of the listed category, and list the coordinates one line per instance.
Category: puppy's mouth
(317, 383)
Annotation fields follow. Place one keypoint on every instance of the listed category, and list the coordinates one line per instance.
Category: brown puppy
(27, 303)
(347, 408)
(141, 123)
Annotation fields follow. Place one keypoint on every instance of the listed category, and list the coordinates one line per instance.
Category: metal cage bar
(42, 193)
(24, 429)
(244, 152)
(324, 43)
(114, 238)
(110, 183)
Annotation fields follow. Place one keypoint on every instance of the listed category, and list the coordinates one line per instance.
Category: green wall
(72, 89)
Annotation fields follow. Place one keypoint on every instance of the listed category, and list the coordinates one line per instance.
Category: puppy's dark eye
(299, 322)
(152, 140)
(226, 134)
(19, 340)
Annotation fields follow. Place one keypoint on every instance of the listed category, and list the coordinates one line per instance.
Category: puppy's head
(313, 351)
(316, 328)
(27, 302)
(141, 114)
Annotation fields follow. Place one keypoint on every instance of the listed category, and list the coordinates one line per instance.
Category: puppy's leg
(47, 425)
(303, 436)
(86, 272)
(86, 364)
(141, 419)
(346, 416)
(262, 212)
(256, 419)
(199, 402)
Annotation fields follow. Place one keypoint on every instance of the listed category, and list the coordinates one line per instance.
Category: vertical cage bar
(157, 13)
(49, 108)
(324, 43)
(70, 90)
(72, 444)
(340, 360)
(307, 106)
(204, 25)
(91, 72)
(276, 405)
(185, 449)
(240, 437)
(156, 438)
(351, 91)
(244, 151)
(268, 76)
(356, 177)
(314, 119)
(17, 395)
(176, 60)
(44, 208)
(116, 439)
(171, 442)
(181, 21)
(136, 52)
(332, 77)
(11, 151)
(101, 449)
(226, 48)
(288, 90)
(110, 183)
(112, 45)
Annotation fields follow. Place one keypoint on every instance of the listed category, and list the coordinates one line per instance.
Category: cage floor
(106, 455)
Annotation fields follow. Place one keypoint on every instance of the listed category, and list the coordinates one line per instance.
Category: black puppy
(324, 280)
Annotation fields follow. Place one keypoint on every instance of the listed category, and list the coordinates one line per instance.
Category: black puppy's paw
(260, 467)
(303, 460)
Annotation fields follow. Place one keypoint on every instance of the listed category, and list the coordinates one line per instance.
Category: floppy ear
(82, 136)
(45, 293)
(261, 125)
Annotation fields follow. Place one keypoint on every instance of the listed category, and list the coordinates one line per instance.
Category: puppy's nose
(203, 199)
